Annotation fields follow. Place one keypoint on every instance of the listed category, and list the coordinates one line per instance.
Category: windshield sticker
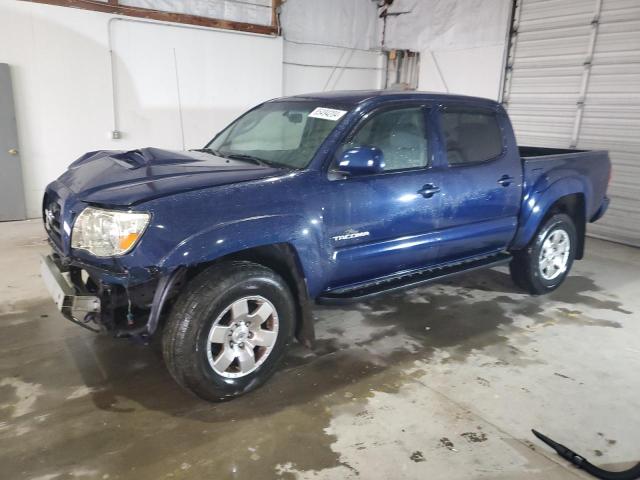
(327, 114)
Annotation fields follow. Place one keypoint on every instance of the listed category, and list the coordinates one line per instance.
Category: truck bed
(542, 167)
(536, 152)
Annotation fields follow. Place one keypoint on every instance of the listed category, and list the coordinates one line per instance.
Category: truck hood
(128, 177)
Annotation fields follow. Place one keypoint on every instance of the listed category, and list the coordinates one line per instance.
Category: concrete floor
(442, 382)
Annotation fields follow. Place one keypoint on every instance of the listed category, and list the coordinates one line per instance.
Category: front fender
(223, 239)
(536, 205)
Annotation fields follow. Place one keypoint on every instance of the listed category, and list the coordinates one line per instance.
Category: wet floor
(440, 382)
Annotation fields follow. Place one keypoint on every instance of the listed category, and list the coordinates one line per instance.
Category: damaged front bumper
(81, 308)
(103, 301)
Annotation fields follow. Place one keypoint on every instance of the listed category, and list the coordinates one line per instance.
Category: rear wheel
(228, 331)
(545, 263)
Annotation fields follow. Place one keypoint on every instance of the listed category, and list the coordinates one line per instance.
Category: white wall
(219, 76)
(330, 45)
(62, 77)
(462, 43)
(60, 66)
(316, 68)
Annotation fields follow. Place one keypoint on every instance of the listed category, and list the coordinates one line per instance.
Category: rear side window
(471, 135)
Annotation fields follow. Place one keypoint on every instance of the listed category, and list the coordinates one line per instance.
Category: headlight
(107, 233)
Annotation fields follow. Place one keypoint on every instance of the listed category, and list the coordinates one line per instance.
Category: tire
(207, 344)
(544, 264)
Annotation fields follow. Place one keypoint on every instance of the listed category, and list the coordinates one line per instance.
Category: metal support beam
(275, 15)
(513, 42)
(114, 7)
(586, 75)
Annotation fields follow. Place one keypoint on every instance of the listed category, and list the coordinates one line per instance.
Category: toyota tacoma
(320, 198)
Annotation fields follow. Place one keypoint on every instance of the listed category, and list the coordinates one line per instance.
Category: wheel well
(283, 259)
(572, 205)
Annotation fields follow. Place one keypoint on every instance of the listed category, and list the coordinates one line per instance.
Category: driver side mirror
(361, 160)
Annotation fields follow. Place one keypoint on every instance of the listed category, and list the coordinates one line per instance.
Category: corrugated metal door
(573, 80)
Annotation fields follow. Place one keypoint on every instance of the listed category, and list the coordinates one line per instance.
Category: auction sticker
(327, 114)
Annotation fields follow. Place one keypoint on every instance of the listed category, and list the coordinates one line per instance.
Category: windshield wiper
(207, 150)
(233, 156)
(248, 158)
(241, 156)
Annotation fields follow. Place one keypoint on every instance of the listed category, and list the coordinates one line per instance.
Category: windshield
(285, 134)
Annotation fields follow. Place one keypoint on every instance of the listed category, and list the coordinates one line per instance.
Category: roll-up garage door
(573, 80)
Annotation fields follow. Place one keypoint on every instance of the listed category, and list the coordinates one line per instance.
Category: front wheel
(228, 331)
(545, 263)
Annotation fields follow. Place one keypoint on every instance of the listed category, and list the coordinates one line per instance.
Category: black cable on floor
(582, 463)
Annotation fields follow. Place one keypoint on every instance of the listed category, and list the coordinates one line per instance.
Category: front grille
(52, 217)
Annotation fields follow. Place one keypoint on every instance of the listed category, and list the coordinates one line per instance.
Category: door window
(471, 136)
(399, 133)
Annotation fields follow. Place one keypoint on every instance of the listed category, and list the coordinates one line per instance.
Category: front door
(384, 223)
(11, 191)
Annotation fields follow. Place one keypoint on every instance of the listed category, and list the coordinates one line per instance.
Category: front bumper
(89, 297)
(81, 308)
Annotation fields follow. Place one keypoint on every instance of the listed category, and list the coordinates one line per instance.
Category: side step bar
(409, 280)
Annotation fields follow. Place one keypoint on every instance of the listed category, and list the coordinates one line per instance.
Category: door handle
(12, 151)
(505, 180)
(429, 190)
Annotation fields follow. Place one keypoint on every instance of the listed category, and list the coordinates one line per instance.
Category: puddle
(119, 399)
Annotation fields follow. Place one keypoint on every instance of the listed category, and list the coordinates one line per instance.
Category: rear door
(380, 224)
(481, 181)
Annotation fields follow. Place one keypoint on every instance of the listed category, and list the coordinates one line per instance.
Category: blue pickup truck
(332, 198)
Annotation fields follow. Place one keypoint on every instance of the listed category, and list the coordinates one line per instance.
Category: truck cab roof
(357, 97)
